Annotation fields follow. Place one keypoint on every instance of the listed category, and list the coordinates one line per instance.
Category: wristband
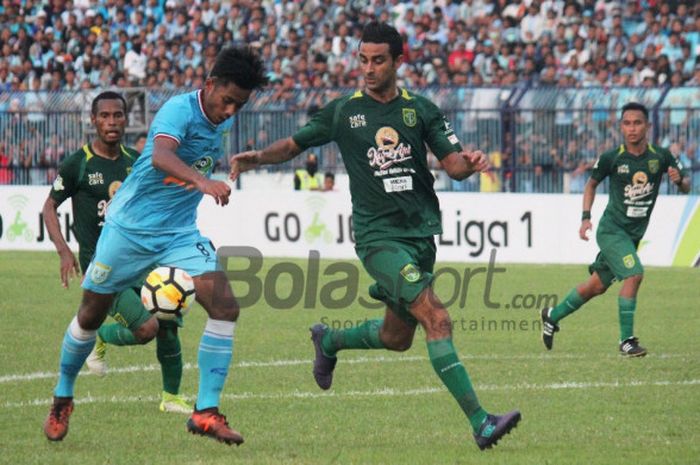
(586, 215)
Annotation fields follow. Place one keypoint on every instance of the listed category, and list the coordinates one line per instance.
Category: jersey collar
(648, 150)
(201, 108)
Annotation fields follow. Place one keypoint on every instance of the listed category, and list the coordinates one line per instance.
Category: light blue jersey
(149, 201)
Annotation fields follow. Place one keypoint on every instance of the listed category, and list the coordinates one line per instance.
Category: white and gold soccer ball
(168, 292)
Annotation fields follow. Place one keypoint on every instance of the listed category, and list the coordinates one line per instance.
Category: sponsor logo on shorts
(99, 272)
(410, 273)
(628, 260)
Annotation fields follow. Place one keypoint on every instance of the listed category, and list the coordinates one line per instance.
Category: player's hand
(586, 226)
(674, 175)
(242, 162)
(217, 189)
(69, 267)
(476, 161)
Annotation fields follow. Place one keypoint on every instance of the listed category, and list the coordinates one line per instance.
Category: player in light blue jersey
(152, 220)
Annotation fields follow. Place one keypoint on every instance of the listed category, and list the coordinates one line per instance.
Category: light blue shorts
(123, 258)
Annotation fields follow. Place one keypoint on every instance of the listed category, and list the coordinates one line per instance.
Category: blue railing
(542, 139)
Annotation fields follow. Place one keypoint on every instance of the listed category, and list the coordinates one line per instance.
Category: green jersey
(383, 146)
(90, 181)
(634, 185)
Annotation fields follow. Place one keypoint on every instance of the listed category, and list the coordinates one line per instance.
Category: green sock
(170, 357)
(453, 374)
(626, 309)
(364, 336)
(117, 335)
(570, 304)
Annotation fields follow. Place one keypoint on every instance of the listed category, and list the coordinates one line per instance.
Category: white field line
(294, 362)
(382, 392)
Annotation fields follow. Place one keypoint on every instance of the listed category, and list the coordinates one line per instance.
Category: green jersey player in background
(382, 132)
(635, 169)
(90, 177)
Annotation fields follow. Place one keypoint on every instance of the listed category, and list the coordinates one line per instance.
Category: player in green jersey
(382, 132)
(635, 170)
(90, 177)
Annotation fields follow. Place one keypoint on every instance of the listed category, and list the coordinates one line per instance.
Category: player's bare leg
(77, 344)
(433, 316)
(215, 353)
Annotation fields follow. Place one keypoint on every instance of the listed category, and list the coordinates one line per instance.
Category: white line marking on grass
(381, 392)
(350, 361)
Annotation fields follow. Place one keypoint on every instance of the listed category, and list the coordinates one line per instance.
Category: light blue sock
(77, 345)
(215, 353)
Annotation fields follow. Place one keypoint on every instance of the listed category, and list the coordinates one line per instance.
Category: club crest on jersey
(623, 169)
(628, 261)
(99, 272)
(653, 166)
(409, 117)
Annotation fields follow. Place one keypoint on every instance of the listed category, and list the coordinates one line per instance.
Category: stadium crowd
(166, 45)
(72, 44)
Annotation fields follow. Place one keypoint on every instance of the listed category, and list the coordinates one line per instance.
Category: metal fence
(538, 139)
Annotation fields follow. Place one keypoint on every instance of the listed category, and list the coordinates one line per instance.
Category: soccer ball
(167, 292)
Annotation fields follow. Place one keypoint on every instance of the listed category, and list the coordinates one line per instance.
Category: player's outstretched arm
(588, 198)
(166, 160)
(683, 182)
(69, 265)
(461, 165)
(279, 151)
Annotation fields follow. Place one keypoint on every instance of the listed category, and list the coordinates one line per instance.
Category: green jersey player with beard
(382, 132)
(635, 169)
(90, 177)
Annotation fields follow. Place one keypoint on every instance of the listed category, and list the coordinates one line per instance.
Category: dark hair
(109, 95)
(142, 135)
(637, 107)
(240, 65)
(381, 33)
(329, 175)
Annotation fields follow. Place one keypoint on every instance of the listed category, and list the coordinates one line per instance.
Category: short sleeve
(439, 135)
(319, 130)
(171, 120)
(601, 168)
(66, 183)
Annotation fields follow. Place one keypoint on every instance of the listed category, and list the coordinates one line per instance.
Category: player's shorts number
(203, 249)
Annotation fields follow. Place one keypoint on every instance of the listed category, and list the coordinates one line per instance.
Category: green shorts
(618, 257)
(128, 311)
(402, 269)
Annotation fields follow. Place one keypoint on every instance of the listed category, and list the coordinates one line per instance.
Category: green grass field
(581, 404)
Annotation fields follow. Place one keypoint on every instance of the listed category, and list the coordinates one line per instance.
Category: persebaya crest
(653, 166)
(409, 117)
